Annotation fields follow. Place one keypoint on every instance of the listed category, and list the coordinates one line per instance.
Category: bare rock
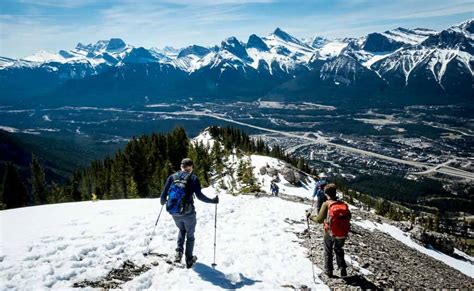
(439, 241)
(289, 175)
(272, 171)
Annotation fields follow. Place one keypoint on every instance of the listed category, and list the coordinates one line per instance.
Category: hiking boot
(178, 256)
(343, 272)
(329, 274)
(190, 261)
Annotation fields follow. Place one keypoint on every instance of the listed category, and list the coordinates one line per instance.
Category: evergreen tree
(382, 207)
(246, 176)
(132, 189)
(14, 193)
(57, 194)
(166, 171)
(118, 177)
(217, 161)
(75, 193)
(38, 182)
(178, 144)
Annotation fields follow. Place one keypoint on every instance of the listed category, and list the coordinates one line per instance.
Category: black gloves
(163, 201)
(215, 200)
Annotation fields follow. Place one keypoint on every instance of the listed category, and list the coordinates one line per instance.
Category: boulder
(404, 225)
(301, 176)
(439, 241)
(263, 170)
(272, 171)
(289, 175)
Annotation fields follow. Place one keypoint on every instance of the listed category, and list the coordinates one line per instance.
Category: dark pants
(187, 225)
(330, 244)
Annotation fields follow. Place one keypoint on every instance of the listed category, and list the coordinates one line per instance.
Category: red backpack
(338, 219)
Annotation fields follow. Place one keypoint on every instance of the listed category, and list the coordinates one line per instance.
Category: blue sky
(27, 26)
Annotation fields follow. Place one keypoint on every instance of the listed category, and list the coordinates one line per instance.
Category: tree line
(139, 170)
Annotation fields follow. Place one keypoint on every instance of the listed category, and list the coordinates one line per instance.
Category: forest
(137, 171)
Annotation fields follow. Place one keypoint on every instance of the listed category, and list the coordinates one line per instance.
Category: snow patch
(8, 129)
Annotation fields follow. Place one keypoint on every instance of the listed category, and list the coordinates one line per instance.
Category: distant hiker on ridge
(336, 217)
(274, 188)
(178, 197)
(319, 191)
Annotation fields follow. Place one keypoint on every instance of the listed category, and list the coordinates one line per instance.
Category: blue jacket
(193, 186)
(318, 191)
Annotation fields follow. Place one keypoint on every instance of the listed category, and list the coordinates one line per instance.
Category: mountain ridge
(400, 59)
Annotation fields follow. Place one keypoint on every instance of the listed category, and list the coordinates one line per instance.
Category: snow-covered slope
(409, 36)
(56, 245)
(44, 57)
(304, 189)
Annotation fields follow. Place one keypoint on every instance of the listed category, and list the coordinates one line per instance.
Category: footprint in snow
(83, 252)
(33, 257)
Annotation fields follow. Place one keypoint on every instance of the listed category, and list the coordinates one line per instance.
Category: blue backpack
(320, 190)
(176, 194)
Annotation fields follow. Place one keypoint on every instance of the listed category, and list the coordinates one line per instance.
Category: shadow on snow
(220, 279)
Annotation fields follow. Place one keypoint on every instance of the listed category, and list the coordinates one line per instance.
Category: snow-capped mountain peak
(115, 44)
(43, 56)
(257, 43)
(466, 26)
(279, 33)
(319, 41)
(196, 50)
(235, 47)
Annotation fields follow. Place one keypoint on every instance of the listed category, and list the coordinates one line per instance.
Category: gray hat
(186, 162)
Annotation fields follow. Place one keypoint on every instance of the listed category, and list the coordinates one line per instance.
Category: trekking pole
(215, 232)
(311, 251)
(152, 233)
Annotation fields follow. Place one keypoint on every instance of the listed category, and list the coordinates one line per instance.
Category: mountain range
(399, 66)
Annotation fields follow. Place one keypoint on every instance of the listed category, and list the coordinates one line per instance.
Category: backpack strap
(328, 203)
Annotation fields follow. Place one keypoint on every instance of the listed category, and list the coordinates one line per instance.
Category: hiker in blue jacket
(319, 191)
(185, 218)
(274, 188)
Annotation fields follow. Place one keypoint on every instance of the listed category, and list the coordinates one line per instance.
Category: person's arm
(164, 194)
(199, 194)
(323, 212)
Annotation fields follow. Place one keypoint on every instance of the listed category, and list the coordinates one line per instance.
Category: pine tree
(57, 194)
(14, 193)
(132, 189)
(75, 193)
(382, 207)
(216, 157)
(38, 182)
(246, 176)
(118, 177)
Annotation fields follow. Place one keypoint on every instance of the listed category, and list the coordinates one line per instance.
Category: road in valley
(427, 168)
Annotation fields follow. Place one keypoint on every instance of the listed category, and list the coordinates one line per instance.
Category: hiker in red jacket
(336, 217)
